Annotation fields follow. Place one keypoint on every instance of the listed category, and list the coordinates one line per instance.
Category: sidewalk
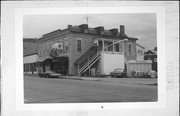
(127, 81)
(130, 81)
(80, 78)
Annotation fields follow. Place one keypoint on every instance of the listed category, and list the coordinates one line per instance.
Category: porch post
(102, 44)
(29, 67)
(89, 66)
(78, 70)
(113, 46)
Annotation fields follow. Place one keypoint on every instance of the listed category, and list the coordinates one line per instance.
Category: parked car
(147, 75)
(117, 73)
(153, 74)
(139, 74)
(49, 74)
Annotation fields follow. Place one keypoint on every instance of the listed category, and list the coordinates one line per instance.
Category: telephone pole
(87, 19)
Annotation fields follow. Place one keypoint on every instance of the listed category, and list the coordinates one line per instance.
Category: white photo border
(160, 16)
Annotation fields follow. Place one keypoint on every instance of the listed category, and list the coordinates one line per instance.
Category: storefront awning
(42, 59)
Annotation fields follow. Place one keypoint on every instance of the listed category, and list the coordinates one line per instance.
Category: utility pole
(87, 19)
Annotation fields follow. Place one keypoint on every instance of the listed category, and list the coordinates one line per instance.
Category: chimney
(69, 26)
(84, 28)
(114, 32)
(100, 30)
(122, 30)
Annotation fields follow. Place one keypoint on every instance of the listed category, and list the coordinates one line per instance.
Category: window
(96, 42)
(116, 47)
(78, 45)
(108, 46)
(66, 46)
(130, 48)
(35, 66)
(27, 67)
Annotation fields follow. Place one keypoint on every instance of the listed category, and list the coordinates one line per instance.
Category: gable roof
(140, 46)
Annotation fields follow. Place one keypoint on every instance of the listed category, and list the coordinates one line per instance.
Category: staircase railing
(89, 63)
(87, 59)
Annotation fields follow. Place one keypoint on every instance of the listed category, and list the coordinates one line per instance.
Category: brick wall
(44, 47)
(74, 54)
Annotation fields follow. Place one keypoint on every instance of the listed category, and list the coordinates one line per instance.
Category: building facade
(82, 50)
(78, 50)
(139, 52)
(151, 55)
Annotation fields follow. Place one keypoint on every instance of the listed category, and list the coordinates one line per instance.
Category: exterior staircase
(87, 60)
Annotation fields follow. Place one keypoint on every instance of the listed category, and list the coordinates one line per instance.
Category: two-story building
(79, 49)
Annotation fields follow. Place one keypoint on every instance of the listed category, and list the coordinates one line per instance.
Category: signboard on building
(56, 49)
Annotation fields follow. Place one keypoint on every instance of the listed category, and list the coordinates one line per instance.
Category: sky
(139, 25)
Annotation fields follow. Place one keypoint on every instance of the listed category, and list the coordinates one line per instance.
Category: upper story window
(108, 46)
(66, 45)
(140, 52)
(78, 45)
(130, 48)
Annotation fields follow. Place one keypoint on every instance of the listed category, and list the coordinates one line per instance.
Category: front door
(60, 65)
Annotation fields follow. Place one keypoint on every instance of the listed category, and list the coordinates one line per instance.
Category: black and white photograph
(90, 58)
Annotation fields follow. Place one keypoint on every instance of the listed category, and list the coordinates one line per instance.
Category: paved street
(54, 90)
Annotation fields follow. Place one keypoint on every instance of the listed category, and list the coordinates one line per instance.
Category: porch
(103, 57)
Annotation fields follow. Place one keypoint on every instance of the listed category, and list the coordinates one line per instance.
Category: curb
(90, 79)
(70, 78)
(80, 78)
(35, 75)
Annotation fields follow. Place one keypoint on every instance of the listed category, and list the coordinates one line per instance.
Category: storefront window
(35, 66)
(140, 52)
(27, 67)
